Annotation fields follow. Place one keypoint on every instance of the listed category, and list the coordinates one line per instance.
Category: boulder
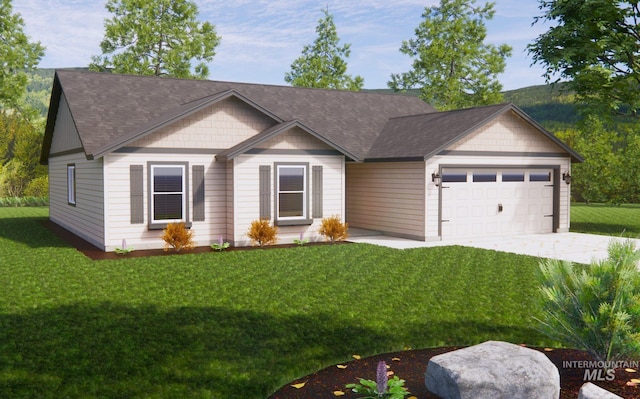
(495, 370)
(592, 391)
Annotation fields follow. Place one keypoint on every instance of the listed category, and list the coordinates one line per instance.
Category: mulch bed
(95, 253)
(411, 366)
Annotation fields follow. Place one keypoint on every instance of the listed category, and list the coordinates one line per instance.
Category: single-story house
(129, 154)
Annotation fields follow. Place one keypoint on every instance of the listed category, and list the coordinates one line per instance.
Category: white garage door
(484, 202)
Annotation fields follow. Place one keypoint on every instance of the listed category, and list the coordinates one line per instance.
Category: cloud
(71, 30)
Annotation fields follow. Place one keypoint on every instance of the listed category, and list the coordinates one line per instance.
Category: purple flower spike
(220, 240)
(381, 378)
(124, 243)
(301, 236)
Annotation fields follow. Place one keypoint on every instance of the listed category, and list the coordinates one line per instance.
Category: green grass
(623, 220)
(236, 324)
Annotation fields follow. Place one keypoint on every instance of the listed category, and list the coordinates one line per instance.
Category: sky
(261, 38)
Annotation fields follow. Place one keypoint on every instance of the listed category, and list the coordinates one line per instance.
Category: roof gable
(270, 133)
(419, 137)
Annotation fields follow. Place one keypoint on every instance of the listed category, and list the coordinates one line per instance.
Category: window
(454, 177)
(512, 176)
(168, 195)
(540, 176)
(484, 177)
(291, 186)
(71, 184)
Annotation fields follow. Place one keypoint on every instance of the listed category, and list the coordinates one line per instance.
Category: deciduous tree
(595, 45)
(17, 56)
(323, 64)
(156, 37)
(453, 66)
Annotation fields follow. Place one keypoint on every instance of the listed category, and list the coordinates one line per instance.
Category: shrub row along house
(129, 154)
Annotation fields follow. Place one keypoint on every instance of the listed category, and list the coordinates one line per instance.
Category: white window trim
(305, 191)
(71, 184)
(152, 193)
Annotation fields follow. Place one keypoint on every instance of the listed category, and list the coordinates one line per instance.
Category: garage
(485, 201)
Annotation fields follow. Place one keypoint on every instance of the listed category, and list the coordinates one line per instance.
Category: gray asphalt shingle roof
(111, 110)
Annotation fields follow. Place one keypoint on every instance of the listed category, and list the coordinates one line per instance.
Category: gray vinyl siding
(387, 197)
(86, 217)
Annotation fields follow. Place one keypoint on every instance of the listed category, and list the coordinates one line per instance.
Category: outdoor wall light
(566, 177)
(436, 178)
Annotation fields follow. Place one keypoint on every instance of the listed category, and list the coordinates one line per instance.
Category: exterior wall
(222, 125)
(231, 188)
(65, 135)
(507, 133)
(139, 235)
(86, 218)
(387, 197)
(246, 193)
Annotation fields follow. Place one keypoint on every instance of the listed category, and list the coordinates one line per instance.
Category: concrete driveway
(575, 247)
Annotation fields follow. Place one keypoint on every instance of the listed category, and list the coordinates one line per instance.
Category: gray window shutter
(198, 193)
(265, 192)
(136, 175)
(316, 178)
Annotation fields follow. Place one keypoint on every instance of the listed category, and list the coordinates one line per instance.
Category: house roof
(423, 136)
(111, 110)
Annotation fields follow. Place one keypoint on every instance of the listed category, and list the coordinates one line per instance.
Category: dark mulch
(411, 366)
(95, 253)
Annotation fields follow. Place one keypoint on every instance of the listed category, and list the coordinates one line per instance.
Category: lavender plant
(382, 388)
(124, 249)
(301, 241)
(220, 245)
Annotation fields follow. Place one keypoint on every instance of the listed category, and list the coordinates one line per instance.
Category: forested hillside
(547, 104)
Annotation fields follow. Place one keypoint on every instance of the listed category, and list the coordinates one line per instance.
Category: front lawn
(236, 324)
(623, 220)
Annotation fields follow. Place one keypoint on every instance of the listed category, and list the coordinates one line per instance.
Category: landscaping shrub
(178, 237)
(595, 308)
(333, 229)
(38, 187)
(262, 233)
(23, 201)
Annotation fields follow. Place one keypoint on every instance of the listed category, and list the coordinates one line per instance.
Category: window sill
(295, 222)
(162, 226)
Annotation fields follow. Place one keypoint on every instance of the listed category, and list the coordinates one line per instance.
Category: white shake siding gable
(221, 125)
(507, 133)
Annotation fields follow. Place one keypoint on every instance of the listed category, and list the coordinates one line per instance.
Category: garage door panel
(471, 208)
